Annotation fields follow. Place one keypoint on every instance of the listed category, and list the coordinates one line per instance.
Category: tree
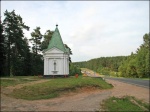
(103, 65)
(13, 34)
(137, 65)
(36, 40)
(131, 70)
(146, 39)
(36, 61)
(27, 66)
(70, 52)
(142, 58)
(2, 51)
(47, 38)
(73, 69)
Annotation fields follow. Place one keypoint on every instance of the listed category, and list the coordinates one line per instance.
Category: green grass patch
(56, 87)
(145, 78)
(140, 102)
(4, 82)
(126, 103)
(140, 78)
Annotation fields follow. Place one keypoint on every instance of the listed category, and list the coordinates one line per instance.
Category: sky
(92, 29)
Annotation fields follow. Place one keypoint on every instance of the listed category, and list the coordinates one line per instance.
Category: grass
(138, 78)
(145, 105)
(12, 81)
(56, 87)
(144, 78)
(126, 103)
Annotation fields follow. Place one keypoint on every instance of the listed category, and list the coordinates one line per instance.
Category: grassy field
(126, 103)
(56, 87)
(12, 81)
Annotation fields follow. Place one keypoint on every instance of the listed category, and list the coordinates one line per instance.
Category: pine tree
(36, 40)
(36, 61)
(47, 38)
(13, 33)
(2, 51)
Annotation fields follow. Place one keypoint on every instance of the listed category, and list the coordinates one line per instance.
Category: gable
(54, 51)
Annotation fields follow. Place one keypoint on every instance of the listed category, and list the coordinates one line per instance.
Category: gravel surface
(84, 100)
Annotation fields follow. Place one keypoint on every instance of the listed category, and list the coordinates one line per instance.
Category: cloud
(90, 28)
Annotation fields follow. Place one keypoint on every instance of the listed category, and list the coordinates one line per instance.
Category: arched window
(54, 65)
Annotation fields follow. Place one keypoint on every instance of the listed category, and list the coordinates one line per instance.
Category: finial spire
(56, 25)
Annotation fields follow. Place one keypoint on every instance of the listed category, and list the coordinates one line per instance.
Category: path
(138, 82)
(85, 100)
(9, 89)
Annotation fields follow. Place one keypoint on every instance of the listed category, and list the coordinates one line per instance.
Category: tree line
(18, 58)
(135, 65)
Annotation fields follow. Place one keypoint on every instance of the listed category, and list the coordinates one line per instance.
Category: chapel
(56, 56)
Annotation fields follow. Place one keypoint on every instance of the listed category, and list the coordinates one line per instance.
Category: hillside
(134, 65)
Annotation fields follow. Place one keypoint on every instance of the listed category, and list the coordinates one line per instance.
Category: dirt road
(85, 100)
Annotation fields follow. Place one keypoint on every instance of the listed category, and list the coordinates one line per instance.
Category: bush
(74, 70)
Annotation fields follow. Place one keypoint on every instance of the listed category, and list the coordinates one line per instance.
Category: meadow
(126, 103)
(52, 87)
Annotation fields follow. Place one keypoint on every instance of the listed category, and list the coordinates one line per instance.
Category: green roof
(56, 41)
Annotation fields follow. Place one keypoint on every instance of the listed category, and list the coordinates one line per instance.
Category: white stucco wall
(61, 59)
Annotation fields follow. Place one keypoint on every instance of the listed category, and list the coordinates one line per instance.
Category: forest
(136, 65)
(18, 58)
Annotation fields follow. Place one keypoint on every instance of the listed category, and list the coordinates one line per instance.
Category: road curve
(138, 82)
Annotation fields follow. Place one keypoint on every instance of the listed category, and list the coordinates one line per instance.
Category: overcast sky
(91, 29)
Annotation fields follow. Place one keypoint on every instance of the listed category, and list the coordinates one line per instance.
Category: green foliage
(56, 87)
(36, 40)
(103, 65)
(14, 81)
(17, 59)
(14, 41)
(37, 64)
(123, 104)
(74, 69)
(2, 50)
(47, 38)
(70, 52)
(137, 65)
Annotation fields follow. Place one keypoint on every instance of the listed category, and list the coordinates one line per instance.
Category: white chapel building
(56, 56)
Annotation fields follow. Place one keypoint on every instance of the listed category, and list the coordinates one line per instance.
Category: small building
(56, 56)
